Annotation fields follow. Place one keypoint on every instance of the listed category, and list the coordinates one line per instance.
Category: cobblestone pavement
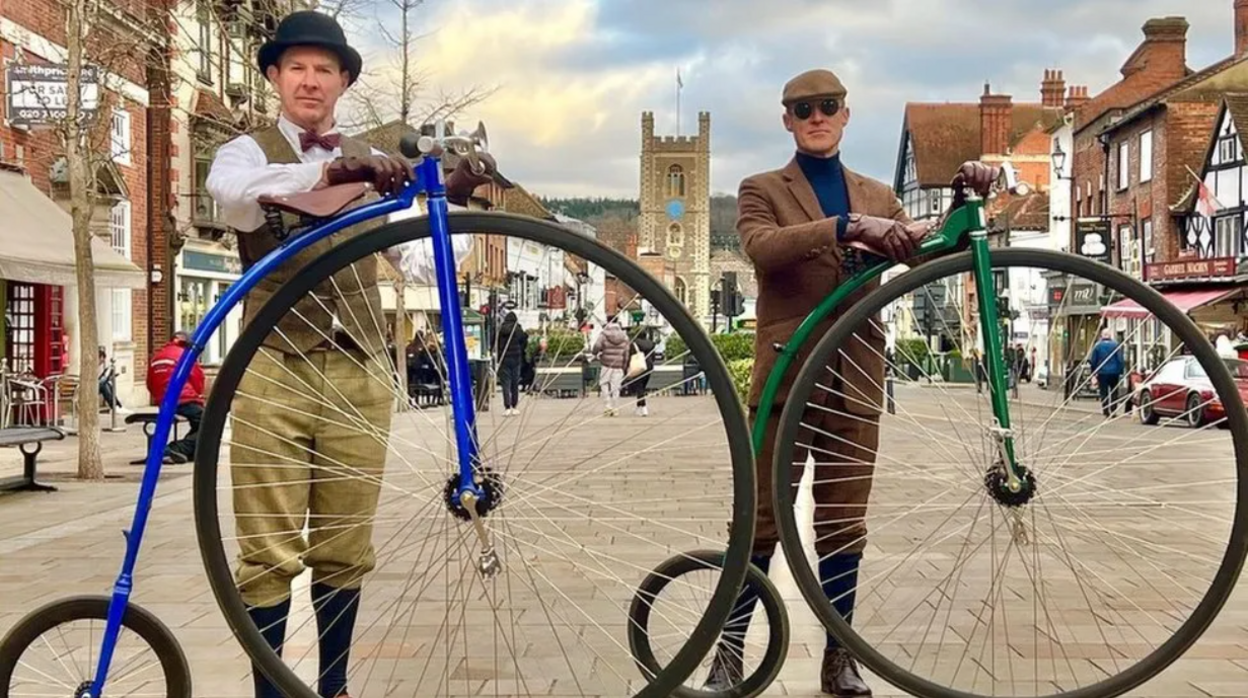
(54, 545)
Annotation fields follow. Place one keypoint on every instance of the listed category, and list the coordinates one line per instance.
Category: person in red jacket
(190, 401)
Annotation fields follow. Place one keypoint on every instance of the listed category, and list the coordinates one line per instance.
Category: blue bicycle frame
(429, 181)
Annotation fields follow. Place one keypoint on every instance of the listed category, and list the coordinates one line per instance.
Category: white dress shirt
(241, 174)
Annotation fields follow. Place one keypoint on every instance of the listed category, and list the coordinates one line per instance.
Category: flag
(1206, 203)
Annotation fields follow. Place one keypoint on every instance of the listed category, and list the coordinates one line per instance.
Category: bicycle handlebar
(464, 144)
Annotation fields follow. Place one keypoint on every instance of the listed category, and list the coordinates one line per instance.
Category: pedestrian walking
(509, 348)
(643, 345)
(611, 350)
(1107, 365)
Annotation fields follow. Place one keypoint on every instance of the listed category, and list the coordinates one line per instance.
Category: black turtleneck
(827, 178)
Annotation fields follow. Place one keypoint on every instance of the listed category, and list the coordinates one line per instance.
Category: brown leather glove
(892, 238)
(463, 181)
(976, 176)
(387, 174)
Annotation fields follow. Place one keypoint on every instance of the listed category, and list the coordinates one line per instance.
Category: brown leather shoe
(840, 677)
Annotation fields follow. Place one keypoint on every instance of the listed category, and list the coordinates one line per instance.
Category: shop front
(1213, 292)
(38, 282)
(205, 271)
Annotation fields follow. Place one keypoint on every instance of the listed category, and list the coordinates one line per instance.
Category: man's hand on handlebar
(387, 174)
(463, 181)
(894, 239)
(973, 176)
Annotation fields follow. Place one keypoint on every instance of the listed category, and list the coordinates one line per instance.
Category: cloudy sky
(573, 76)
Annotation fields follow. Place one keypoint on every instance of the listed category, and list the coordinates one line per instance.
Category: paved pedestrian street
(69, 542)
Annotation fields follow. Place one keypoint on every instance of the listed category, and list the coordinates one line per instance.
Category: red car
(1181, 389)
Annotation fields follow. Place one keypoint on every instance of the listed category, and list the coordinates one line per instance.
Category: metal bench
(148, 420)
(21, 437)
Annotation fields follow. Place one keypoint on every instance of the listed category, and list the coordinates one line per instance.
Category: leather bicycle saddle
(318, 203)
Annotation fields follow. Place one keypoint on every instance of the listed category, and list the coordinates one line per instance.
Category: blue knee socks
(739, 621)
(271, 621)
(335, 623)
(838, 575)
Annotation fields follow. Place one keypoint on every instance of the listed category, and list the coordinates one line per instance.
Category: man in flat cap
(289, 465)
(795, 223)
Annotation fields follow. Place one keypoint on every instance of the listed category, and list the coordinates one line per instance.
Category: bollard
(112, 406)
(889, 396)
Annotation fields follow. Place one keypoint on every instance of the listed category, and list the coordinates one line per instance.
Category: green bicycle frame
(966, 221)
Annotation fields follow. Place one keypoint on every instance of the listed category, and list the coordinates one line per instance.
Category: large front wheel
(327, 472)
(1116, 549)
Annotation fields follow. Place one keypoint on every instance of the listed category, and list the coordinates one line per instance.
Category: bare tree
(81, 191)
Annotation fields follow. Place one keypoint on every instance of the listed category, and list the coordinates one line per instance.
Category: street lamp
(1059, 161)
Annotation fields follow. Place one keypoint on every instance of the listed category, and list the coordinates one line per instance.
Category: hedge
(731, 347)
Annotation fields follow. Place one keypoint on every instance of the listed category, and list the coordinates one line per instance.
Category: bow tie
(328, 141)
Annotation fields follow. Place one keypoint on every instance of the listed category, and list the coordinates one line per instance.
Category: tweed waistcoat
(351, 294)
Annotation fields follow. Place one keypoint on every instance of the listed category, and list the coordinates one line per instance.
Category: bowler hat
(812, 83)
(309, 28)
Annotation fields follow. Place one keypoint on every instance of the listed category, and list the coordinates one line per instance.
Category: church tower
(675, 208)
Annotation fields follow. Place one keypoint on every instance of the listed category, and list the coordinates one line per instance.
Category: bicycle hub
(997, 480)
(489, 494)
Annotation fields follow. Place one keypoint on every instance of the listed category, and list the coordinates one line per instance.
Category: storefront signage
(215, 263)
(1190, 269)
(1075, 299)
(38, 95)
(1093, 240)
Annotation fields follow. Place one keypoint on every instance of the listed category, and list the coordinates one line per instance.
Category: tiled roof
(945, 135)
(517, 199)
(1192, 80)
(1029, 212)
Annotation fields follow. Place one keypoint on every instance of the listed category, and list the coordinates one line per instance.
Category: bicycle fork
(994, 359)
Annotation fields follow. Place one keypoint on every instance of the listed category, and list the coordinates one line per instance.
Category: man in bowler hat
(313, 356)
(795, 224)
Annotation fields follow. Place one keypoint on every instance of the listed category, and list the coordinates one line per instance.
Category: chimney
(1164, 51)
(1241, 28)
(1053, 88)
(995, 116)
(1077, 95)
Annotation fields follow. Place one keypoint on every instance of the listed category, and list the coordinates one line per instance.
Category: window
(675, 236)
(933, 201)
(1126, 250)
(911, 172)
(1226, 232)
(120, 137)
(119, 228)
(1146, 156)
(1147, 227)
(675, 181)
(203, 12)
(1124, 162)
(1226, 149)
(205, 205)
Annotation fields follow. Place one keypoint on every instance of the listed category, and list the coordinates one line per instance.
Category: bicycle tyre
(769, 597)
(136, 619)
(1186, 331)
(217, 408)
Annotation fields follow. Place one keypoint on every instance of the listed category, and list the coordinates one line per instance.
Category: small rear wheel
(55, 649)
(737, 647)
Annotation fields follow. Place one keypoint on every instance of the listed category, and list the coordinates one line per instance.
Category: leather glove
(892, 238)
(387, 174)
(976, 176)
(463, 181)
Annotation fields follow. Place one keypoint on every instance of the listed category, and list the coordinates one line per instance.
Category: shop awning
(37, 241)
(1185, 300)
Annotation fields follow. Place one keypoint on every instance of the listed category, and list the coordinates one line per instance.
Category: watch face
(675, 209)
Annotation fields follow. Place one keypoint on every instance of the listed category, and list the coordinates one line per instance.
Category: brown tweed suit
(798, 262)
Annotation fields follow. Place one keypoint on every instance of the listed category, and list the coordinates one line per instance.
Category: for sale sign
(39, 94)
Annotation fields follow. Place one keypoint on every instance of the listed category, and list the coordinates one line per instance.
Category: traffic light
(733, 301)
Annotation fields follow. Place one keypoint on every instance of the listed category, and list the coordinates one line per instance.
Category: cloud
(574, 76)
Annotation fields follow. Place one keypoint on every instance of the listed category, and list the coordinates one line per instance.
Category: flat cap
(812, 83)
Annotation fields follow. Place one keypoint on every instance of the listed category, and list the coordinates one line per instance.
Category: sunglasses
(804, 110)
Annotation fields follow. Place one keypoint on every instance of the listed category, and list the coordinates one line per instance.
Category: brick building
(1137, 146)
(40, 296)
(936, 139)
